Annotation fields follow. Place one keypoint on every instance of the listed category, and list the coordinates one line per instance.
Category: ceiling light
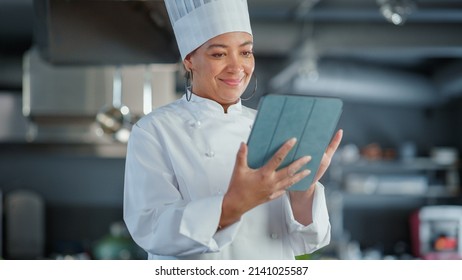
(396, 11)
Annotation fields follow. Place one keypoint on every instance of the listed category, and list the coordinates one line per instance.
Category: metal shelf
(107, 150)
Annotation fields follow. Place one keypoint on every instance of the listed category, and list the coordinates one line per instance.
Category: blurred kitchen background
(76, 74)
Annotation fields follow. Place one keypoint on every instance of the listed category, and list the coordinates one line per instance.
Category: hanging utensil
(147, 90)
(115, 118)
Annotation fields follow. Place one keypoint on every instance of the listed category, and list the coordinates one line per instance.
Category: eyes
(223, 54)
(247, 53)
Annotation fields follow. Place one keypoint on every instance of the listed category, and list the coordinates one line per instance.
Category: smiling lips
(232, 82)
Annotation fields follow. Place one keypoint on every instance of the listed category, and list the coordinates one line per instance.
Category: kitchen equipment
(25, 225)
(60, 102)
(117, 245)
(408, 151)
(81, 32)
(436, 232)
(115, 119)
(444, 155)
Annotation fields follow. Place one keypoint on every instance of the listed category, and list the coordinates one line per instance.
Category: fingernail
(292, 140)
(306, 158)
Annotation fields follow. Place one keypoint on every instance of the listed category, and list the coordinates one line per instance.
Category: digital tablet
(312, 120)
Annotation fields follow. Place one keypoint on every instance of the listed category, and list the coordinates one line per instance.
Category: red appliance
(436, 232)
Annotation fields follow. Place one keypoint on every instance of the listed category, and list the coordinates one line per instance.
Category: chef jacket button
(274, 236)
(210, 154)
(195, 124)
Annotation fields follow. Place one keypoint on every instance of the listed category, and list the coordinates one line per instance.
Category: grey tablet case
(312, 120)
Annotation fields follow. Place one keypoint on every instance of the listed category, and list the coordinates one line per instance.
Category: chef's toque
(195, 22)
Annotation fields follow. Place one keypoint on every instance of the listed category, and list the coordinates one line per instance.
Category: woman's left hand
(302, 201)
(327, 157)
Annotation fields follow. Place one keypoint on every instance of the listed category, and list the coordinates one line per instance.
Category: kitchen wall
(393, 125)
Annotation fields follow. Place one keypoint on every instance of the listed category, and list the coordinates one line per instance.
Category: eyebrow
(246, 43)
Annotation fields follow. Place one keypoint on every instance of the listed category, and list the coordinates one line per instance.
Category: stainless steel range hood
(104, 32)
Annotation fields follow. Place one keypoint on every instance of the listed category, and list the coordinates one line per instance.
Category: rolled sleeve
(307, 239)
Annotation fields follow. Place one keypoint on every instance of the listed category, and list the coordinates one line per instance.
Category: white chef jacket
(179, 162)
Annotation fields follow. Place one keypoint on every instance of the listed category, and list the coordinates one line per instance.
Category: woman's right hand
(251, 187)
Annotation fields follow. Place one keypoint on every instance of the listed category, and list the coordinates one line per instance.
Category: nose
(235, 64)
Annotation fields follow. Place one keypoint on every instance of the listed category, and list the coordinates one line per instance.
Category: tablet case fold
(312, 120)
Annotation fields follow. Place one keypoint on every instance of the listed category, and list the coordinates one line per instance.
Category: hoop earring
(254, 89)
(188, 85)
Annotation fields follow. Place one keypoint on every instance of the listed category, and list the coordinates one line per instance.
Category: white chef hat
(195, 22)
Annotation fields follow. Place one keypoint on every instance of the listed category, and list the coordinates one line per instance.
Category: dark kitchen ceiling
(354, 30)
(357, 29)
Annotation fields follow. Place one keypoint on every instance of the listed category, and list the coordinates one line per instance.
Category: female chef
(189, 193)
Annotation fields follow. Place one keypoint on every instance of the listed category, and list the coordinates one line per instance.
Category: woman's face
(222, 67)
